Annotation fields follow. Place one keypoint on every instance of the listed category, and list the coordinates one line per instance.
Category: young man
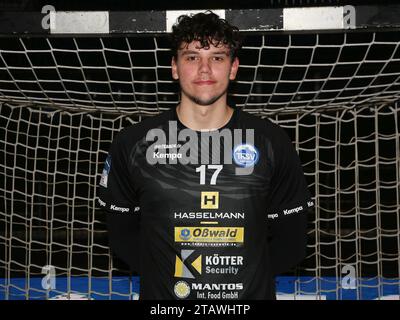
(205, 201)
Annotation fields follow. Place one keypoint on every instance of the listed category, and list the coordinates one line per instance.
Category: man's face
(204, 74)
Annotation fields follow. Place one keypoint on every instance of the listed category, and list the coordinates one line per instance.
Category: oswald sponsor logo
(233, 235)
(184, 234)
(215, 232)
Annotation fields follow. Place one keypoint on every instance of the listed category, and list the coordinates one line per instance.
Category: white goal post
(329, 75)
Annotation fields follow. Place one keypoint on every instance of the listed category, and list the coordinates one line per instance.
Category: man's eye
(218, 58)
(191, 58)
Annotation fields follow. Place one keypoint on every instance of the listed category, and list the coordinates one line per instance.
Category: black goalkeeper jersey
(205, 214)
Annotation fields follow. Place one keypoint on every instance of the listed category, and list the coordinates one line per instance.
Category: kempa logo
(159, 155)
(273, 216)
(183, 147)
(294, 210)
(118, 209)
(209, 200)
(163, 154)
(181, 270)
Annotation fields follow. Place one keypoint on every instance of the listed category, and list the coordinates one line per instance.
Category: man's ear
(174, 69)
(234, 69)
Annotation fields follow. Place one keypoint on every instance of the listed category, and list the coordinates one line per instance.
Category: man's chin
(205, 101)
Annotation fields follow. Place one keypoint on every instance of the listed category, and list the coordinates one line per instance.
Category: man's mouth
(204, 82)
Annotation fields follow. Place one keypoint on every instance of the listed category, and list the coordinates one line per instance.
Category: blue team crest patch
(106, 171)
(245, 155)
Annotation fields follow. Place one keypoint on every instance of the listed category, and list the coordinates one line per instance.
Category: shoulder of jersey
(134, 133)
(264, 125)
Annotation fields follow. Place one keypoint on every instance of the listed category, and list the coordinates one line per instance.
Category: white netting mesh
(64, 100)
(278, 72)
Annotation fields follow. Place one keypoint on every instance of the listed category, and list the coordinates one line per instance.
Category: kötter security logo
(182, 264)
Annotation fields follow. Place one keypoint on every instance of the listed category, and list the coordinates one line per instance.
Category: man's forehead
(197, 46)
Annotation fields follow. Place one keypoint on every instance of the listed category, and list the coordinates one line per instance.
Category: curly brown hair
(207, 28)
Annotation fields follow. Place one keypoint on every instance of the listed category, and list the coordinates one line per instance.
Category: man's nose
(204, 66)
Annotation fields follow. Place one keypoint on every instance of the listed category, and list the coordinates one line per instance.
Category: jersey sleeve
(288, 202)
(118, 199)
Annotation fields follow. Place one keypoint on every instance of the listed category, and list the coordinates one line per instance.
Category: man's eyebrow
(185, 52)
(221, 52)
(189, 52)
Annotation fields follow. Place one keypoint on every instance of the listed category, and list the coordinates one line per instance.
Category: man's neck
(197, 117)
